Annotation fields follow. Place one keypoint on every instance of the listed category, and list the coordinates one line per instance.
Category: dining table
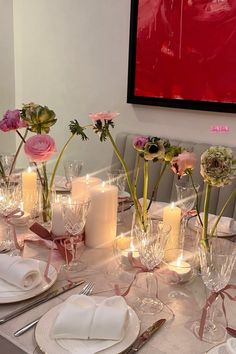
(182, 303)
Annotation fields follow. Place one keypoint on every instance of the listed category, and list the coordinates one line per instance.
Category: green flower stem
(122, 161)
(197, 199)
(145, 192)
(231, 196)
(46, 199)
(2, 172)
(18, 150)
(21, 136)
(58, 162)
(157, 184)
(205, 217)
(137, 170)
(35, 164)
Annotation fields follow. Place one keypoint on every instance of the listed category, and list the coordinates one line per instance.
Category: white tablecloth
(175, 337)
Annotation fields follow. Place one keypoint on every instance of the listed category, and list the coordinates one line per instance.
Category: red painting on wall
(183, 54)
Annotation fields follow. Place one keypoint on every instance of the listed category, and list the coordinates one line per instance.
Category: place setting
(122, 264)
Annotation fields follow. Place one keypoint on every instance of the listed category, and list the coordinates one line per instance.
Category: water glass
(118, 178)
(7, 161)
(151, 245)
(72, 169)
(217, 262)
(186, 197)
(75, 215)
(10, 201)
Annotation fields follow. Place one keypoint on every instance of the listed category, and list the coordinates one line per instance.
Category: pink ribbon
(136, 263)
(222, 293)
(15, 214)
(59, 241)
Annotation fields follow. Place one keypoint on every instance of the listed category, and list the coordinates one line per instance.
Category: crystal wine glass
(186, 197)
(72, 169)
(151, 244)
(75, 215)
(118, 178)
(217, 262)
(10, 199)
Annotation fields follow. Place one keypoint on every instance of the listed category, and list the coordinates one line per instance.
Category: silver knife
(40, 301)
(144, 337)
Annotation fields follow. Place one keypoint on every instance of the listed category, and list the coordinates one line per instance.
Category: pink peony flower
(103, 115)
(139, 142)
(12, 121)
(184, 161)
(40, 148)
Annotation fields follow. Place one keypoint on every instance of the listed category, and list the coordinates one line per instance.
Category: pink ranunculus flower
(184, 161)
(103, 115)
(12, 121)
(40, 148)
(139, 142)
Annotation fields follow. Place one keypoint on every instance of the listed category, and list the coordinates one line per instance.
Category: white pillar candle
(172, 216)
(29, 190)
(58, 226)
(100, 228)
(182, 268)
(80, 186)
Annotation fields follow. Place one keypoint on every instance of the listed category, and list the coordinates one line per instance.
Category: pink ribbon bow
(60, 242)
(15, 214)
(222, 293)
(136, 263)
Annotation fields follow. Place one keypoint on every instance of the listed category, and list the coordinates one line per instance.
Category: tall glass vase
(46, 195)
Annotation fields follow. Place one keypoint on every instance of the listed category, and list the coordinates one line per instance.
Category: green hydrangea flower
(38, 118)
(218, 166)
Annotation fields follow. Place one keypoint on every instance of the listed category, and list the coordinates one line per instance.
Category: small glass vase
(46, 196)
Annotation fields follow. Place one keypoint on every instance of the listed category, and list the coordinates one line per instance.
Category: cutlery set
(86, 290)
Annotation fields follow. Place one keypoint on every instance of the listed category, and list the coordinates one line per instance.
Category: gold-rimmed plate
(51, 346)
(10, 293)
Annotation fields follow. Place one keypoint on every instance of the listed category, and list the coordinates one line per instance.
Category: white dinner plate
(51, 346)
(225, 348)
(192, 225)
(10, 293)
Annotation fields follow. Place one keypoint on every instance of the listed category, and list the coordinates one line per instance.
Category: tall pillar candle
(80, 188)
(29, 190)
(58, 225)
(100, 228)
(172, 216)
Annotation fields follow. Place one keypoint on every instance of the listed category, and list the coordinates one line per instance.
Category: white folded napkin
(80, 317)
(156, 209)
(225, 224)
(21, 272)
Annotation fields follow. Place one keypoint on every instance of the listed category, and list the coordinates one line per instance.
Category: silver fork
(86, 290)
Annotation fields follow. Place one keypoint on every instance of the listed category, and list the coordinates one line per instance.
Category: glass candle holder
(124, 245)
(181, 264)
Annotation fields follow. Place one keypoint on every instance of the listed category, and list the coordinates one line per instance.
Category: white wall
(7, 87)
(72, 56)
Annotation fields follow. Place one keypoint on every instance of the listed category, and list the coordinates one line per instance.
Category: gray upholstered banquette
(166, 191)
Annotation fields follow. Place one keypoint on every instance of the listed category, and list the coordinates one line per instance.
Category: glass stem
(183, 230)
(73, 250)
(151, 282)
(211, 312)
(73, 242)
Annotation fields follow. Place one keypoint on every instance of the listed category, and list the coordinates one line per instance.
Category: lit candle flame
(87, 178)
(103, 186)
(131, 246)
(172, 205)
(29, 169)
(179, 261)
